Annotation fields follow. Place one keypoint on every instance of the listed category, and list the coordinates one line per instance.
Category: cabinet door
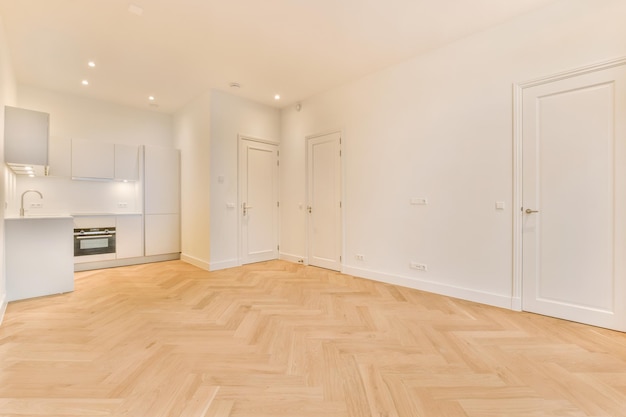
(92, 159)
(162, 234)
(126, 162)
(129, 236)
(162, 180)
(26, 136)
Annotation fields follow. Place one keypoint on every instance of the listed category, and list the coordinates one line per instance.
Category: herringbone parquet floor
(277, 339)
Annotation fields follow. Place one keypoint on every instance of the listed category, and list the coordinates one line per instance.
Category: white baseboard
(216, 266)
(481, 297)
(195, 261)
(516, 304)
(3, 306)
(298, 259)
(114, 263)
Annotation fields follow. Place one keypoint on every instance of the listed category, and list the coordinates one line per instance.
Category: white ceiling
(177, 49)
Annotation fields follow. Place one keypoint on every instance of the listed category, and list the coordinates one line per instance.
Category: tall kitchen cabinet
(161, 200)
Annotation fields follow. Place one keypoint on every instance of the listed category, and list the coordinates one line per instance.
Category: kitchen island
(39, 256)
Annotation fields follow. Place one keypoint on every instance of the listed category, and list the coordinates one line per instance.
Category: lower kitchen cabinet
(129, 236)
(162, 233)
(39, 256)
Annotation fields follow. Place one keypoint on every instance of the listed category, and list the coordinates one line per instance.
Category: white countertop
(67, 216)
(44, 217)
(103, 214)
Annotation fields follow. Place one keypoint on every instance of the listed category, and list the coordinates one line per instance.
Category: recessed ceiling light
(91, 64)
(151, 98)
(85, 82)
(277, 97)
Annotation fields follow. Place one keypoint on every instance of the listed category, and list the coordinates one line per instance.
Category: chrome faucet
(22, 205)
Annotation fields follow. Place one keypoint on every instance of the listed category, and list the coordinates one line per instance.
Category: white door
(574, 198)
(324, 201)
(258, 200)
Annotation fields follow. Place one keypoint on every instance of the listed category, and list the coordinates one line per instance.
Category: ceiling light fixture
(151, 98)
(277, 97)
(91, 64)
(235, 85)
(85, 82)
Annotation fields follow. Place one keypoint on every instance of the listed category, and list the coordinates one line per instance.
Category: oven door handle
(93, 237)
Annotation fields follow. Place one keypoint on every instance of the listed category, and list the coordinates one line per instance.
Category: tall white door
(574, 198)
(324, 201)
(258, 200)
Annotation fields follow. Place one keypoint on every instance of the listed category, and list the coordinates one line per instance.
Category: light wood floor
(283, 340)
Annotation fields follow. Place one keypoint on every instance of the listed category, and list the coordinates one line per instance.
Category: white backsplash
(63, 195)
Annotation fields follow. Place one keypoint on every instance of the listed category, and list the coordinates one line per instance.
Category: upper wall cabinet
(126, 162)
(104, 161)
(93, 159)
(26, 136)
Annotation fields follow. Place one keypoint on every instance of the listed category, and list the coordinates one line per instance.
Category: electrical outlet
(418, 266)
(419, 201)
(36, 205)
(122, 204)
(359, 257)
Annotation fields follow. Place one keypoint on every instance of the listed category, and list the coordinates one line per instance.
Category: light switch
(220, 179)
(499, 205)
(230, 205)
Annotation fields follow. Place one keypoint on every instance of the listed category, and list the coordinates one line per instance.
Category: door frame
(341, 191)
(518, 94)
(240, 139)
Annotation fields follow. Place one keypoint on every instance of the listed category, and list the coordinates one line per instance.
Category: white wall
(74, 117)
(440, 126)
(232, 116)
(192, 134)
(7, 97)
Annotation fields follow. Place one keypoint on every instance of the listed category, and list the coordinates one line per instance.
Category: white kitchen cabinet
(26, 136)
(162, 233)
(39, 256)
(129, 236)
(161, 200)
(93, 159)
(161, 180)
(126, 162)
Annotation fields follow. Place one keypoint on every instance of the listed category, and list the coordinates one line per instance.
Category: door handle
(245, 208)
(309, 209)
(529, 211)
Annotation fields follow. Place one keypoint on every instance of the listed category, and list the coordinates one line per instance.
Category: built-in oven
(94, 241)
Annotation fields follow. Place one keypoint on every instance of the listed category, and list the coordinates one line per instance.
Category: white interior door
(574, 198)
(324, 201)
(258, 200)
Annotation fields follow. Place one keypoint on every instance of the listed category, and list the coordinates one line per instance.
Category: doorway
(571, 195)
(324, 226)
(258, 200)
